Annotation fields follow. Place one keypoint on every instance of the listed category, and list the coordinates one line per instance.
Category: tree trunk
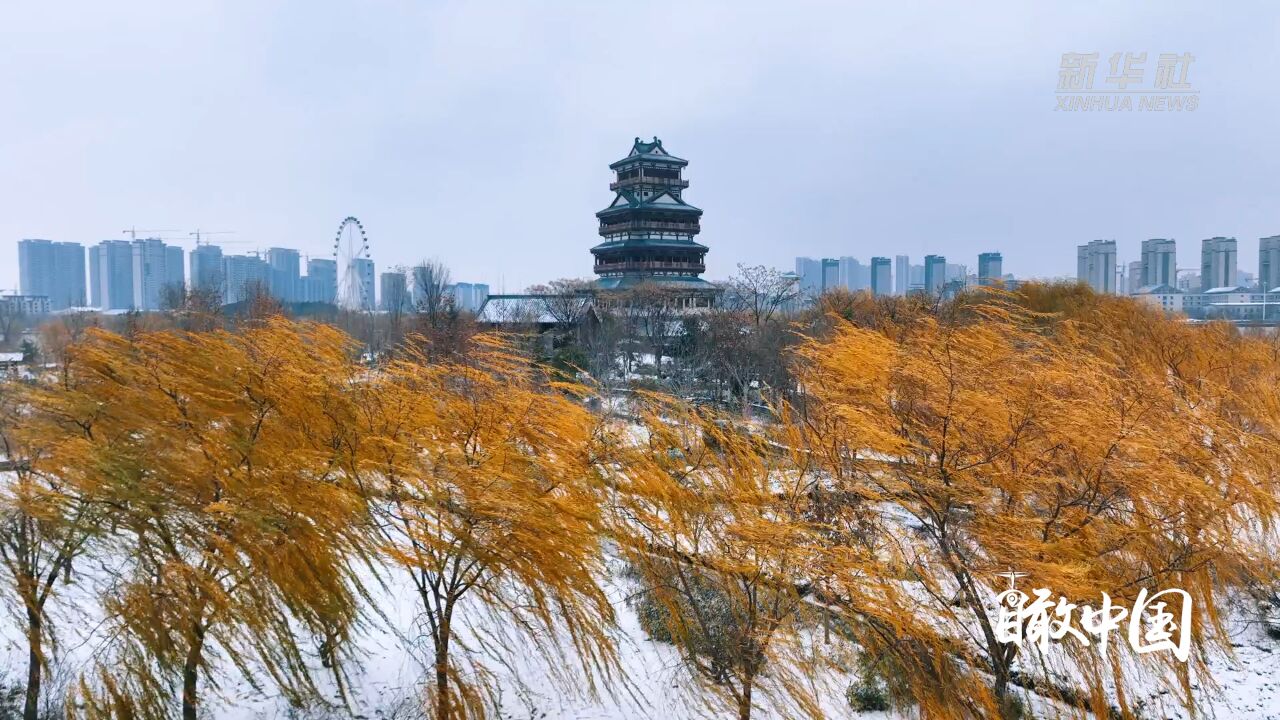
(35, 660)
(191, 674)
(744, 700)
(444, 708)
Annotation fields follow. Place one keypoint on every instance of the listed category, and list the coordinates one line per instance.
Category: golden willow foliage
(44, 525)
(482, 482)
(715, 521)
(1109, 453)
(241, 479)
(214, 457)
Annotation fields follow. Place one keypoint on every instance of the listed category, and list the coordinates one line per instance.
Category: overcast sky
(480, 133)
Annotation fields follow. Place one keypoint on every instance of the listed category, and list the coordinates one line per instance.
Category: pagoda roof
(647, 242)
(648, 151)
(626, 282)
(627, 201)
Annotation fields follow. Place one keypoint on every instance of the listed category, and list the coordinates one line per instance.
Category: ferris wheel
(354, 266)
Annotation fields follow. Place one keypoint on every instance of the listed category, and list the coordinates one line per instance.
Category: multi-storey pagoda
(648, 229)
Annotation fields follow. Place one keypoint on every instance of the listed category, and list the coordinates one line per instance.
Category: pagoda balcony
(649, 225)
(649, 266)
(645, 180)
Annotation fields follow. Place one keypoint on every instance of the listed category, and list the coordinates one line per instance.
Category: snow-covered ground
(393, 662)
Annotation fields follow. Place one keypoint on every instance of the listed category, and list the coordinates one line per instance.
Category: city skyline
(245, 126)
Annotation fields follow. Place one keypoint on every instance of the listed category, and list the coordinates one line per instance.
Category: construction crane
(201, 233)
(133, 232)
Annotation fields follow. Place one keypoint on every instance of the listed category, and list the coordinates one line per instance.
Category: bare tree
(761, 292)
(432, 293)
(10, 318)
(566, 300)
(652, 314)
(396, 301)
(198, 309)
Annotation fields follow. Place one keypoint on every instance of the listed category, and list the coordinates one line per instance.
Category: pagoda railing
(645, 180)
(650, 265)
(636, 225)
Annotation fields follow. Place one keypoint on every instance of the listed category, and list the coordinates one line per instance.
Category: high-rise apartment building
(321, 283)
(935, 273)
(284, 274)
(393, 292)
(242, 275)
(111, 275)
(206, 268)
(901, 274)
(1217, 263)
(1133, 278)
(470, 296)
(361, 288)
(156, 266)
(1269, 263)
(853, 274)
(1159, 262)
(830, 274)
(881, 276)
(54, 270)
(1096, 265)
(990, 268)
(810, 273)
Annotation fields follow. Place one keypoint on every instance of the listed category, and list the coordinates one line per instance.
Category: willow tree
(1108, 454)
(480, 473)
(232, 531)
(717, 522)
(44, 526)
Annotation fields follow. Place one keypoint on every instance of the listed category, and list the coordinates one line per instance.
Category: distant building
(820, 276)
(156, 266)
(901, 274)
(881, 276)
(1165, 296)
(990, 268)
(1096, 265)
(830, 274)
(935, 273)
(1269, 263)
(111, 275)
(28, 305)
(854, 275)
(205, 268)
(810, 273)
(1188, 282)
(241, 275)
(1159, 263)
(470, 296)
(359, 285)
(394, 292)
(321, 283)
(1133, 278)
(54, 270)
(284, 274)
(1217, 263)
